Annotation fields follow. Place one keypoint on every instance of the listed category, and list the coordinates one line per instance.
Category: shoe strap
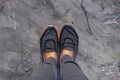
(48, 47)
(68, 44)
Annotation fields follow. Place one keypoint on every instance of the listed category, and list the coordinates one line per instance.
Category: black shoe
(69, 39)
(49, 41)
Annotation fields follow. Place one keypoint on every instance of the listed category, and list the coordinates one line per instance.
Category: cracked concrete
(97, 23)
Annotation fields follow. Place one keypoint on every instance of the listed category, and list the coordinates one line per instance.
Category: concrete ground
(97, 23)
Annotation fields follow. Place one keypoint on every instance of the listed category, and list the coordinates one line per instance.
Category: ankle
(67, 52)
(50, 55)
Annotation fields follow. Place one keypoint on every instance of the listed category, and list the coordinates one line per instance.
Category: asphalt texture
(97, 23)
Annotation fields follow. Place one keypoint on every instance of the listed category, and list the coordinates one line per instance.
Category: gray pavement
(97, 23)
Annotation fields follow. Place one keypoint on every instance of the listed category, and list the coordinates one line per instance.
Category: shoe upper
(49, 41)
(69, 39)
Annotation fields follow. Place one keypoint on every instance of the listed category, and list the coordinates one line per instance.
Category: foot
(68, 41)
(49, 43)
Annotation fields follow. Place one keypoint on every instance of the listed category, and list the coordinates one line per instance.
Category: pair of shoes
(68, 40)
